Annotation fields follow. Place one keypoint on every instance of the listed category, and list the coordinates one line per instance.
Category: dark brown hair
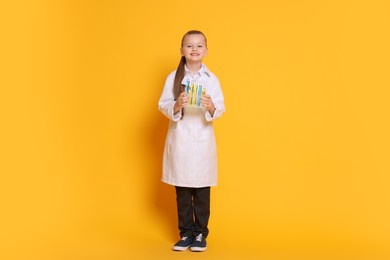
(180, 71)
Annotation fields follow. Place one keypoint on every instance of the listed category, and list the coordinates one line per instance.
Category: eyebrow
(202, 43)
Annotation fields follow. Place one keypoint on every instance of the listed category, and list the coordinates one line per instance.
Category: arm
(167, 105)
(215, 100)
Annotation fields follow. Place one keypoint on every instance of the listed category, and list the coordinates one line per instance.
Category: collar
(202, 70)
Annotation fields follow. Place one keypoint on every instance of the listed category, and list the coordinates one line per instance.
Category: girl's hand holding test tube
(207, 102)
(181, 102)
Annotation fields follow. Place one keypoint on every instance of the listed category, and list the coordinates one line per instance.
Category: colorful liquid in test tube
(191, 93)
(194, 92)
(199, 95)
(195, 95)
(187, 86)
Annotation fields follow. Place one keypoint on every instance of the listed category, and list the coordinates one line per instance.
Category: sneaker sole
(180, 248)
(198, 249)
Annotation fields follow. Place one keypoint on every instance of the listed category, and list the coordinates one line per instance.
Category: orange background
(303, 147)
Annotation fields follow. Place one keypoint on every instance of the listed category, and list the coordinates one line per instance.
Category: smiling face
(194, 48)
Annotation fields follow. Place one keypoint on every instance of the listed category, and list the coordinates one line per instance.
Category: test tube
(199, 95)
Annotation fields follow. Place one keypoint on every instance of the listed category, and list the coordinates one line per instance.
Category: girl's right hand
(182, 101)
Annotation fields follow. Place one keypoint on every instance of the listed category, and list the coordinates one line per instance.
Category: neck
(194, 66)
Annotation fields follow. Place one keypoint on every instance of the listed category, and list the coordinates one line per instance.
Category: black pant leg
(201, 210)
(185, 211)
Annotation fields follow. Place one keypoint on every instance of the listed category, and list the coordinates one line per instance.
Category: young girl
(192, 98)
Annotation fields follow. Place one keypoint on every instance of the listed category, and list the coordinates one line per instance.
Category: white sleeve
(218, 100)
(167, 102)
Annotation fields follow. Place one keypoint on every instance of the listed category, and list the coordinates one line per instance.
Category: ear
(181, 52)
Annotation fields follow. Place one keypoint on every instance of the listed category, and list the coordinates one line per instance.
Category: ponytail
(177, 86)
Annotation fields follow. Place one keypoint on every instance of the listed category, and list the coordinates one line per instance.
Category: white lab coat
(190, 156)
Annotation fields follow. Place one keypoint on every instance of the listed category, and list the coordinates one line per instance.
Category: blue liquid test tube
(187, 86)
(199, 95)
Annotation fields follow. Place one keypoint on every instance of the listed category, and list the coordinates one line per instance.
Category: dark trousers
(193, 207)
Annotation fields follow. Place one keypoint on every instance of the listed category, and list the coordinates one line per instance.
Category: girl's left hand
(207, 102)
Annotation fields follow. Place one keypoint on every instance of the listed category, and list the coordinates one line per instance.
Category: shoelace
(184, 238)
(199, 238)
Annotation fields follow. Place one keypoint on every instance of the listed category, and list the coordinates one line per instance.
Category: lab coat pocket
(178, 142)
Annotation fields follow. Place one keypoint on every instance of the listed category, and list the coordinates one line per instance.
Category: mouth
(194, 54)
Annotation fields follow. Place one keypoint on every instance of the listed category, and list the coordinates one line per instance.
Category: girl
(192, 98)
